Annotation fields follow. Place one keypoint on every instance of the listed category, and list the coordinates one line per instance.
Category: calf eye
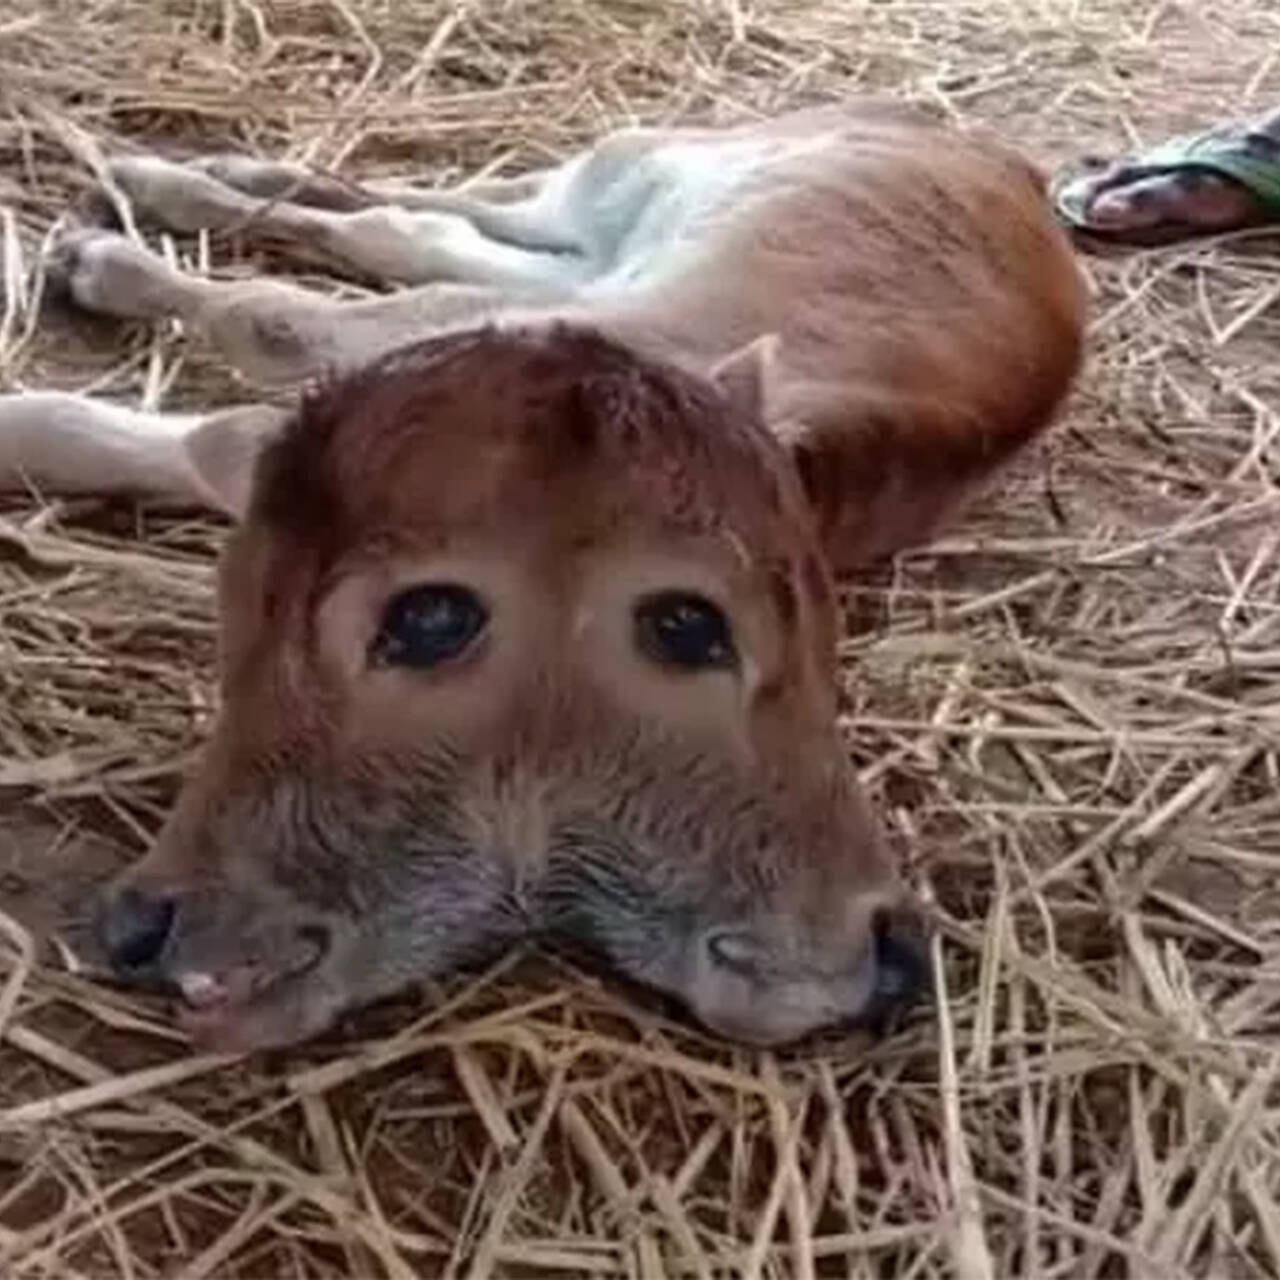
(426, 625)
(680, 629)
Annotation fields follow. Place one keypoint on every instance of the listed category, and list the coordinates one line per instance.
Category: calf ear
(223, 452)
(746, 375)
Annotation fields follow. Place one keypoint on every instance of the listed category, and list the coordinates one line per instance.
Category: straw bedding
(1069, 710)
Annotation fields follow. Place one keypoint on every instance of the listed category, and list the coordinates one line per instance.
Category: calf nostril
(901, 956)
(135, 927)
(317, 938)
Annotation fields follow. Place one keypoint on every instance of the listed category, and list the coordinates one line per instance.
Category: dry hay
(1068, 709)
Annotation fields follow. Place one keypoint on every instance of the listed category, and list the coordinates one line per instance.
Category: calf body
(529, 624)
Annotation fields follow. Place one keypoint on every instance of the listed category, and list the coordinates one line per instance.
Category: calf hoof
(107, 273)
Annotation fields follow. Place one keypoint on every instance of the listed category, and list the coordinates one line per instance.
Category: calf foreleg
(449, 236)
(274, 333)
(61, 443)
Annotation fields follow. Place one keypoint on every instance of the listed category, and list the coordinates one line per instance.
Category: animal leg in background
(443, 236)
(273, 333)
(65, 444)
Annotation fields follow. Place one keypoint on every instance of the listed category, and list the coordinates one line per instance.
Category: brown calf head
(522, 632)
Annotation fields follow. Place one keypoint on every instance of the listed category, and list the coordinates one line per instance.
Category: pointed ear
(223, 453)
(747, 375)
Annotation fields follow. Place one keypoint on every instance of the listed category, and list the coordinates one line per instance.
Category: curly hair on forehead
(522, 408)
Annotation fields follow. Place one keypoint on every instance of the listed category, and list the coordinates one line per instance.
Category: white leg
(111, 275)
(274, 333)
(420, 247)
(277, 180)
(60, 443)
(490, 190)
(445, 237)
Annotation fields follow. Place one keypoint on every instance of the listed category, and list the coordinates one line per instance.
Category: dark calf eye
(680, 629)
(426, 625)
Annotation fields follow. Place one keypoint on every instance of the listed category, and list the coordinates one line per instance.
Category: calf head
(522, 633)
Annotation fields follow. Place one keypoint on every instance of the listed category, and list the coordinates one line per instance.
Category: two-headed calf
(529, 624)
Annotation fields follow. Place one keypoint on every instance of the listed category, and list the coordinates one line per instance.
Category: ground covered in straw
(1070, 711)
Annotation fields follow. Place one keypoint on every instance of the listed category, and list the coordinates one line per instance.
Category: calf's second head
(522, 632)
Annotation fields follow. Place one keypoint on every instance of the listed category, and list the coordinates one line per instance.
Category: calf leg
(460, 239)
(501, 209)
(280, 180)
(277, 180)
(64, 443)
(274, 333)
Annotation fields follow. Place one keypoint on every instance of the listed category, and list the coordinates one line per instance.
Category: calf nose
(134, 927)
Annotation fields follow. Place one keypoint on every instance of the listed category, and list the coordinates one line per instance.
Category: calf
(528, 624)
